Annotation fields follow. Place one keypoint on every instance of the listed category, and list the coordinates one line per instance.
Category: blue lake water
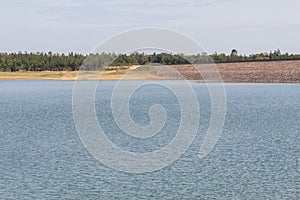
(256, 157)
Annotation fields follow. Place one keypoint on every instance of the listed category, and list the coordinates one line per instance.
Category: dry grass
(47, 75)
(126, 73)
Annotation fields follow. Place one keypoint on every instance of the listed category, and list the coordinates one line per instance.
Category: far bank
(251, 72)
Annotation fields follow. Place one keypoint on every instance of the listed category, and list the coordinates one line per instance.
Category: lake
(256, 157)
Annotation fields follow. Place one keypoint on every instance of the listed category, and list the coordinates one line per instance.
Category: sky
(63, 26)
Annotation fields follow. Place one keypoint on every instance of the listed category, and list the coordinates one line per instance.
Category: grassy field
(126, 73)
(38, 75)
(256, 72)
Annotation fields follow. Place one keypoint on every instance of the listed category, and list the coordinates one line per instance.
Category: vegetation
(12, 62)
(39, 62)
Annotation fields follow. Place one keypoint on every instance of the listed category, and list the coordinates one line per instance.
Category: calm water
(257, 156)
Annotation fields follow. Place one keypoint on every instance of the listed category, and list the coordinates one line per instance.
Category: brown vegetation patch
(256, 72)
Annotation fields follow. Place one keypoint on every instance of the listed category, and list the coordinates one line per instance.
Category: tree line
(23, 61)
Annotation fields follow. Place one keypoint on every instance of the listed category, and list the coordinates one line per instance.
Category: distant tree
(234, 52)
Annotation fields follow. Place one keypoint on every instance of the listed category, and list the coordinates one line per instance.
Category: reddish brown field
(255, 72)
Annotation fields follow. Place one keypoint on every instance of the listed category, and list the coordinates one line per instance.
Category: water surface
(42, 157)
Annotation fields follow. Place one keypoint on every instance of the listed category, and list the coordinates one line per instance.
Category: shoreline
(257, 72)
(193, 81)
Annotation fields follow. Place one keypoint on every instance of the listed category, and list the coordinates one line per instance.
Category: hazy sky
(219, 25)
